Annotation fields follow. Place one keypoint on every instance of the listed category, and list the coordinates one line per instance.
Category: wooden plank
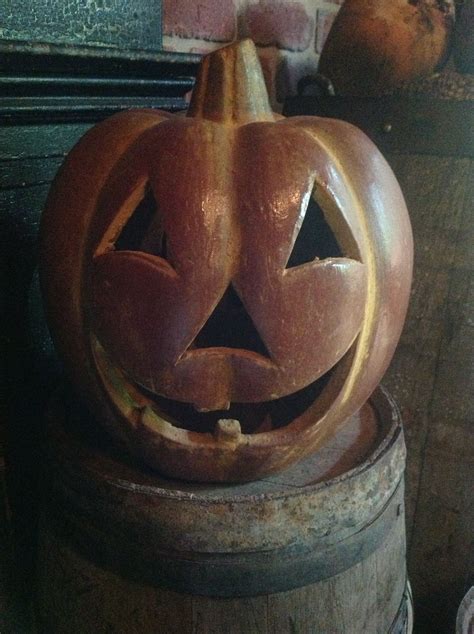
(443, 540)
(404, 124)
(20, 212)
(364, 598)
(389, 566)
(233, 616)
(39, 141)
(435, 190)
(123, 24)
(22, 208)
(24, 173)
(93, 599)
(441, 557)
(346, 604)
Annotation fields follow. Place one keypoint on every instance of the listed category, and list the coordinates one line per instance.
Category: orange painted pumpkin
(228, 287)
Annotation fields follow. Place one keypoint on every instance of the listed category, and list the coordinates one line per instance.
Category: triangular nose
(230, 326)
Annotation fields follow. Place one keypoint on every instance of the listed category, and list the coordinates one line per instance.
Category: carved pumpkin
(201, 326)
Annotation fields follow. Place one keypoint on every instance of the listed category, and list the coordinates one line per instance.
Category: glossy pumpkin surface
(225, 288)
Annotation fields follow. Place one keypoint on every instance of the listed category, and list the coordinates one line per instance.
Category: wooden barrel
(319, 548)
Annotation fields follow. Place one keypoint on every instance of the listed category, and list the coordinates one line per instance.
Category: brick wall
(289, 33)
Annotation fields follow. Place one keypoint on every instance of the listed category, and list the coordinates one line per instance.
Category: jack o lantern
(228, 287)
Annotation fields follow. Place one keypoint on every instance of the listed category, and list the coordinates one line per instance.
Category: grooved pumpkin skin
(231, 181)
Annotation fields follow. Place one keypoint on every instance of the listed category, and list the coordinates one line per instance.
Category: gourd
(198, 312)
(375, 46)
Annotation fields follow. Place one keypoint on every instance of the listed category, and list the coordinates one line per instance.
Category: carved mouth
(253, 418)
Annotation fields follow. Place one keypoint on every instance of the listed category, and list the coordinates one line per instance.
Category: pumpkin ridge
(372, 300)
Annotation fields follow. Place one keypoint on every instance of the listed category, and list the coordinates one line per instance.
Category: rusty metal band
(225, 574)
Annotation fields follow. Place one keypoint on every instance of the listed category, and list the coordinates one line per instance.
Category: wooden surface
(407, 124)
(80, 597)
(128, 25)
(432, 379)
(84, 584)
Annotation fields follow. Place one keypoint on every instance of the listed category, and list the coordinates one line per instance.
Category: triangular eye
(315, 238)
(230, 326)
(144, 231)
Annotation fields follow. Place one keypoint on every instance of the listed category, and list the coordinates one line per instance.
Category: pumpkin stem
(230, 87)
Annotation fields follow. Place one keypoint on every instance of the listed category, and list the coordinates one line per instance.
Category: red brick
(323, 26)
(213, 20)
(277, 23)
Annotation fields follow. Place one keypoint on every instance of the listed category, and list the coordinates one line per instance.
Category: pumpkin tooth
(228, 430)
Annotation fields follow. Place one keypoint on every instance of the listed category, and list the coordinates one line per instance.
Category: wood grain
(78, 595)
(236, 616)
(432, 379)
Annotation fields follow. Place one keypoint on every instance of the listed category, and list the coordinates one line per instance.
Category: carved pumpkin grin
(296, 226)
